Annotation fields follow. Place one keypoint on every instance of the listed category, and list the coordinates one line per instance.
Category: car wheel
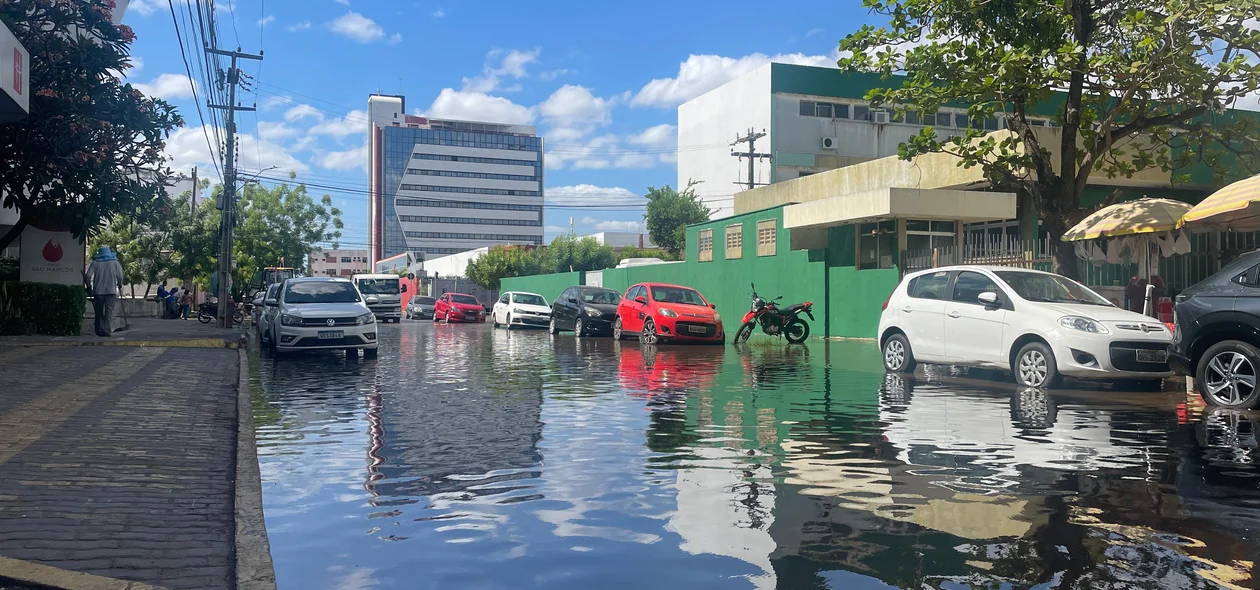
(898, 356)
(369, 353)
(1035, 366)
(507, 321)
(494, 320)
(1227, 375)
(649, 333)
(551, 326)
(579, 328)
(617, 332)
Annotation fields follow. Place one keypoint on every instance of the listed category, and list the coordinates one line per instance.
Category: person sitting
(162, 293)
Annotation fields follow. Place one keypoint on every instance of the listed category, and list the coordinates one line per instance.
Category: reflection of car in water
(652, 370)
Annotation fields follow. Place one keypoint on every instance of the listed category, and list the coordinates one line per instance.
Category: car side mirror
(404, 288)
(988, 298)
(641, 299)
(270, 302)
(712, 306)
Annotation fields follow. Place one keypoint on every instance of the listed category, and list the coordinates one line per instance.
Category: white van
(383, 294)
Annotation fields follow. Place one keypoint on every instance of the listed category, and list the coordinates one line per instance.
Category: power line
(196, 100)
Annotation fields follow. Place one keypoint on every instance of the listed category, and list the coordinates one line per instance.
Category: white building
(623, 239)
(453, 266)
(339, 263)
(441, 187)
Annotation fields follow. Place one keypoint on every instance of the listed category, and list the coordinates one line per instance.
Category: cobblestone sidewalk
(106, 469)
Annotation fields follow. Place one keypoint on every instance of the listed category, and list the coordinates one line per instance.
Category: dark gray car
(420, 308)
(585, 310)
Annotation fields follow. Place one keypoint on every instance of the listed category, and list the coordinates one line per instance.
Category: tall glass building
(441, 187)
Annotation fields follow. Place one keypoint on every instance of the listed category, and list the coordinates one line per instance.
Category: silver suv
(319, 313)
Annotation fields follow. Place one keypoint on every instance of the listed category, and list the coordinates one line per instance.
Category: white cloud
(589, 194)
(342, 2)
(478, 106)
(275, 130)
(812, 32)
(573, 105)
(352, 123)
(634, 160)
(357, 27)
(596, 153)
(266, 20)
(555, 229)
(553, 74)
(512, 65)
(663, 135)
(302, 26)
(274, 102)
(167, 86)
(702, 73)
(346, 160)
(628, 226)
(395, 39)
(137, 64)
(187, 147)
(438, 13)
(145, 7)
(303, 111)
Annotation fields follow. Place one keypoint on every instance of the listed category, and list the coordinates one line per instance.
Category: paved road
(106, 469)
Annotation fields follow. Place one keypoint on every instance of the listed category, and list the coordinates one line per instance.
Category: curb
(42, 575)
(238, 343)
(254, 569)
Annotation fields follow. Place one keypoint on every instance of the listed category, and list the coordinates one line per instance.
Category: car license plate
(331, 334)
(1152, 356)
(697, 329)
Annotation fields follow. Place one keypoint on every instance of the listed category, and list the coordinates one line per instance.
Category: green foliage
(279, 227)
(91, 147)
(41, 308)
(1145, 85)
(566, 253)
(141, 250)
(669, 212)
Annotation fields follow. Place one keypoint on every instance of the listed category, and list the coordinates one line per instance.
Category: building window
(705, 245)
(807, 108)
(924, 236)
(861, 112)
(345, 272)
(810, 108)
(331, 260)
(465, 205)
(767, 237)
(876, 244)
(468, 190)
(469, 220)
(472, 236)
(345, 259)
(734, 241)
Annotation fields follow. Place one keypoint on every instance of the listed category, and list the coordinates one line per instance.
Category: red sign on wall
(17, 70)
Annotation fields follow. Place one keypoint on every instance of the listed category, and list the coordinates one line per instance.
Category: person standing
(185, 303)
(104, 283)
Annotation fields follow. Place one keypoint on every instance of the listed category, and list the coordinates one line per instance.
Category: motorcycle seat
(791, 308)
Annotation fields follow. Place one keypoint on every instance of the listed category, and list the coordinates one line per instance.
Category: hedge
(41, 308)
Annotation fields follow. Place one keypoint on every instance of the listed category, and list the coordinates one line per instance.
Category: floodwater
(466, 457)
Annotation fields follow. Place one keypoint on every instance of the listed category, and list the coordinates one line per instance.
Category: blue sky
(601, 81)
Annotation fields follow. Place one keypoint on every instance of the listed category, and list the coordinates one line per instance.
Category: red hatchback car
(659, 313)
(458, 307)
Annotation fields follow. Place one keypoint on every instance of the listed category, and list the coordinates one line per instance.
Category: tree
(140, 250)
(280, 225)
(194, 239)
(501, 262)
(568, 253)
(669, 212)
(1143, 84)
(91, 147)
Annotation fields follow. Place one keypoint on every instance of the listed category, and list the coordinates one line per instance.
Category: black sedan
(585, 310)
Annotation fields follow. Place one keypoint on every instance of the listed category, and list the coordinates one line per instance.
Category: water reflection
(476, 458)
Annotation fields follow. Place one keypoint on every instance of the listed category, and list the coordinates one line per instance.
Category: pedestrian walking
(185, 303)
(104, 283)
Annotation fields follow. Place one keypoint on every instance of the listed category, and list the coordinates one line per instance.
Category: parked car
(420, 308)
(665, 313)
(458, 307)
(1217, 336)
(1041, 326)
(585, 310)
(516, 308)
(260, 310)
(312, 313)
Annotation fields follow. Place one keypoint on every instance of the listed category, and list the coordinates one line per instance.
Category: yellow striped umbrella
(1235, 207)
(1142, 216)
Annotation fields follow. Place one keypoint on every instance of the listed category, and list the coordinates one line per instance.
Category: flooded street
(466, 457)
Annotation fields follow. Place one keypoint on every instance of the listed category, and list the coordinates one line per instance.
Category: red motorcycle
(775, 321)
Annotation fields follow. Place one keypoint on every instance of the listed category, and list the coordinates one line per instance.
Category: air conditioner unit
(880, 117)
(829, 143)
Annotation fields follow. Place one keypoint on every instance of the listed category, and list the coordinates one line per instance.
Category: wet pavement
(466, 457)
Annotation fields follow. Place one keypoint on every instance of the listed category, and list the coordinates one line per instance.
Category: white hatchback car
(314, 313)
(516, 308)
(1040, 326)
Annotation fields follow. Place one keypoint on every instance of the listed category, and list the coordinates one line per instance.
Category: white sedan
(516, 308)
(1040, 326)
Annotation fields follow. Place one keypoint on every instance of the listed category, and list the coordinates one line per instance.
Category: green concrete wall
(549, 286)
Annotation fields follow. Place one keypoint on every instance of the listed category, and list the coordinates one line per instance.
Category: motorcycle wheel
(204, 317)
(744, 332)
(796, 332)
(238, 318)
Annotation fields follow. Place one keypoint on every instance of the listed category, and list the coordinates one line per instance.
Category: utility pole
(228, 220)
(751, 154)
(194, 193)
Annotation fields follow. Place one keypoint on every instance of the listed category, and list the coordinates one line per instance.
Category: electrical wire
(188, 70)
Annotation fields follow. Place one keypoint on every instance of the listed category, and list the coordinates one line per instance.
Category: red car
(659, 313)
(458, 307)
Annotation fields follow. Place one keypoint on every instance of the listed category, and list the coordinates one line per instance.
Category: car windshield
(321, 292)
(464, 299)
(600, 296)
(378, 286)
(528, 299)
(422, 300)
(677, 295)
(1049, 288)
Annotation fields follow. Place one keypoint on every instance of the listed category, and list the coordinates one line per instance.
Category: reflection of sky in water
(472, 458)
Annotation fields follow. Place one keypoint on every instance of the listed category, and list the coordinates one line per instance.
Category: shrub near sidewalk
(41, 308)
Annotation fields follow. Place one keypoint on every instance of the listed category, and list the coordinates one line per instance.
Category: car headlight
(1083, 324)
(366, 318)
(290, 320)
(669, 313)
(514, 310)
(717, 317)
(590, 311)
